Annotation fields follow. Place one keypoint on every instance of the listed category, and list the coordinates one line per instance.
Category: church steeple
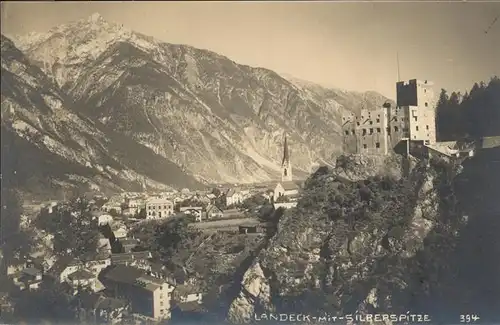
(286, 166)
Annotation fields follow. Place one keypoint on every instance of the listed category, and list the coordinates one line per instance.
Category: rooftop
(490, 142)
(191, 306)
(129, 257)
(133, 276)
(187, 289)
(158, 201)
(288, 186)
(32, 271)
(81, 274)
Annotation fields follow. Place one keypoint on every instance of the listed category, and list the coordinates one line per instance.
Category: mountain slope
(220, 120)
(49, 146)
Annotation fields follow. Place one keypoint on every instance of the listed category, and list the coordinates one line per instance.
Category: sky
(350, 45)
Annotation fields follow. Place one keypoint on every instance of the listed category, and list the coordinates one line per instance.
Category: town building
(28, 279)
(133, 206)
(148, 296)
(138, 260)
(129, 244)
(119, 230)
(187, 293)
(67, 265)
(287, 190)
(378, 131)
(214, 212)
(233, 197)
(193, 211)
(159, 208)
(83, 279)
(104, 219)
(111, 206)
(96, 308)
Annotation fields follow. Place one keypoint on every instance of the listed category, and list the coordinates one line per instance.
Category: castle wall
(366, 133)
(380, 130)
(398, 127)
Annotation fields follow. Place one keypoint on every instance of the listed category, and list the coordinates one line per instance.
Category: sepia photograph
(250, 162)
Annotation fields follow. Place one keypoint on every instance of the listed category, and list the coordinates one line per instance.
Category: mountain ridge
(37, 125)
(218, 120)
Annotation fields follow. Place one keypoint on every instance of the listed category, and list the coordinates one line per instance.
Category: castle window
(388, 129)
(425, 90)
(377, 145)
(357, 123)
(378, 130)
(427, 127)
(284, 172)
(364, 146)
(396, 129)
(346, 132)
(378, 120)
(395, 119)
(371, 122)
(353, 132)
(426, 104)
(416, 128)
(371, 131)
(415, 118)
(364, 131)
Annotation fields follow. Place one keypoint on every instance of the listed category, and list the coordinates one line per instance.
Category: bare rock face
(354, 246)
(358, 167)
(255, 294)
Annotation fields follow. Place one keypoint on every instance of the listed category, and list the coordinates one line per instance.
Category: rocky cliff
(382, 245)
(218, 120)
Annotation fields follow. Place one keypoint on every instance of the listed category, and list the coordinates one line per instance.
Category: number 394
(468, 318)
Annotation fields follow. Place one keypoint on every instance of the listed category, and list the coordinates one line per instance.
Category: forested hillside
(473, 114)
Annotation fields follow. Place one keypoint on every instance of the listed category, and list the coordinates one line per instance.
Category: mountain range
(96, 103)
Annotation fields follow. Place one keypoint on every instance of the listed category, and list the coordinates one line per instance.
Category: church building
(287, 190)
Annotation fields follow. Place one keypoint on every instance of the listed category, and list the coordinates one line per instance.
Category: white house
(233, 197)
(103, 244)
(29, 278)
(67, 265)
(159, 208)
(137, 287)
(104, 219)
(187, 293)
(287, 189)
(133, 206)
(214, 212)
(82, 278)
(120, 231)
(193, 211)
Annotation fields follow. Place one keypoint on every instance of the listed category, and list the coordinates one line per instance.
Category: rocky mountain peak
(96, 18)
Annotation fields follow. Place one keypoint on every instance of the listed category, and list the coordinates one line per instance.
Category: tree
(254, 201)
(216, 192)
(75, 232)
(49, 303)
(141, 214)
(164, 237)
(15, 243)
(476, 114)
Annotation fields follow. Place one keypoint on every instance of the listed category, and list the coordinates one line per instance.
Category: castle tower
(286, 166)
(416, 99)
